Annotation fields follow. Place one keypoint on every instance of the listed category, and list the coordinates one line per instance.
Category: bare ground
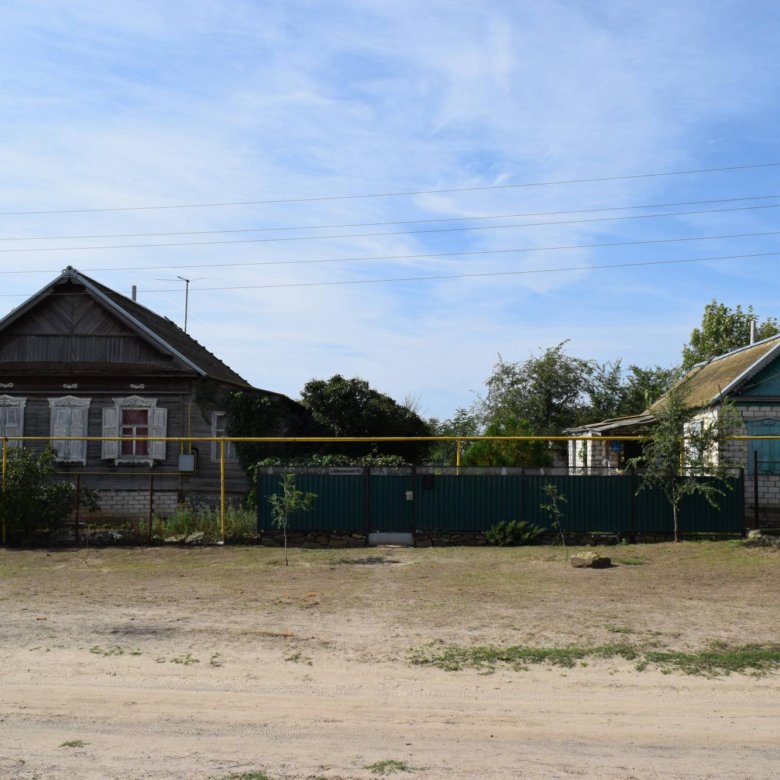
(222, 662)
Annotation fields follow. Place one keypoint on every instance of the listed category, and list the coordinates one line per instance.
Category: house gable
(765, 383)
(66, 326)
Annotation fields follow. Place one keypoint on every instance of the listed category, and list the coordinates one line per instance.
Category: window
(12, 418)
(219, 428)
(128, 419)
(768, 450)
(69, 417)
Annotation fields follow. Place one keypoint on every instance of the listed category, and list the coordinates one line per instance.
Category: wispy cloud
(126, 104)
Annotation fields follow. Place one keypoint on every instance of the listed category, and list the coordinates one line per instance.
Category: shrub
(32, 503)
(512, 533)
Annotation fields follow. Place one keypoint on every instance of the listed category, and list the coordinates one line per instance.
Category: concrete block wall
(134, 504)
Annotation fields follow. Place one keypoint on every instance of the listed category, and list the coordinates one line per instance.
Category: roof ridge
(715, 358)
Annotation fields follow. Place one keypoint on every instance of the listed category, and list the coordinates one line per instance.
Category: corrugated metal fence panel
(654, 513)
(593, 503)
(389, 509)
(338, 506)
(470, 502)
(466, 502)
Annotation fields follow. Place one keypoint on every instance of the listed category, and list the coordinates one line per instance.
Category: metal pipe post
(222, 489)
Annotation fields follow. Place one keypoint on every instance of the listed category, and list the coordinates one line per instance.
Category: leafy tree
(462, 423)
(286, 503)
(507, 453)
(723, 329)
(679, 452)
(351, 407)
(643, 386)
(606, 390)
(549, 392)
(32, 501)
(251, 414)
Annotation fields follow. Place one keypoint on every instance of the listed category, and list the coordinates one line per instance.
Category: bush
(32, 503)
(512, 533)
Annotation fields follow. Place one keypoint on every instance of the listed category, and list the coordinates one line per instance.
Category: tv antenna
(186, 293)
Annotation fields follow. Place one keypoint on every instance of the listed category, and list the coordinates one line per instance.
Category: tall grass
(240, 523)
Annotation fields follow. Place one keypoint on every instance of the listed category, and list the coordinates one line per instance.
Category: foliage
(547, 392)
(286, 503)
(32, 501)
(553, 509)
(643, 386)
(678, 453)
(351, 407)
(250, 414)
(507, 453)
(723, 329)
(240, 523)
(513, 533)
(462, 423)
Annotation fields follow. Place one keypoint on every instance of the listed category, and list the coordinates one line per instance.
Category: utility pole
(186, 299)
(186, 294)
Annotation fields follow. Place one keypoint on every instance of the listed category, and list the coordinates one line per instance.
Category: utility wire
(393, 222)
(562, 269)
(401, 257)
(385, 234)
(397, 194)
(486, 274)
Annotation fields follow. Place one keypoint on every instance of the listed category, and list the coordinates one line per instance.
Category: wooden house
(79, 359)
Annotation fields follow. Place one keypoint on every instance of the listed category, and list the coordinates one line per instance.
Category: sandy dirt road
(218, 663)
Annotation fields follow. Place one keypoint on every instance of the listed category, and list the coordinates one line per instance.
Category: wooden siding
(68, 327)
(185, 418)
(766, 383)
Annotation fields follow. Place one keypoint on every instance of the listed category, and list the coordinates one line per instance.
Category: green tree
(287, 503)
(351, 407)
(462, 423)
(507, 453)
(549, 392)
(723, 329)
(680, 452)
(643, 386)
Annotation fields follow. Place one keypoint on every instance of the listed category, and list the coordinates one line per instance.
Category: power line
(385, 234)
(421, 255)
(392, 222)
(396, 194)
(562, 269)
(488, 273)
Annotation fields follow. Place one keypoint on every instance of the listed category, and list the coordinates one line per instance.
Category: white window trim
(158, 422)
(230, 449)
(9, 400)
(70, 401)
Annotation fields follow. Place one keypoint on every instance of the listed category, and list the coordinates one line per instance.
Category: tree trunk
(676, 523)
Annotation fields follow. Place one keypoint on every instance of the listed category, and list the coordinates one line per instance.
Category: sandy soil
(220, 662)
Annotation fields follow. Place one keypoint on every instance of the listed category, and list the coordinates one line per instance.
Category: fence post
(5, 468)
(366, 499)
(457, 454)
(222, 489)
(755, 489)
(151, 506)
(78, 509)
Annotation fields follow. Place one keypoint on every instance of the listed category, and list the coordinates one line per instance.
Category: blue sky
(110, 105)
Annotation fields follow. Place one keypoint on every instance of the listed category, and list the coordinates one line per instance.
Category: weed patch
(388, 767)
(715, 661)
(74, 743)
(185, 660)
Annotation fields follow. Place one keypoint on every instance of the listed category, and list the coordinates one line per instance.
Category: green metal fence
(447, 500)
